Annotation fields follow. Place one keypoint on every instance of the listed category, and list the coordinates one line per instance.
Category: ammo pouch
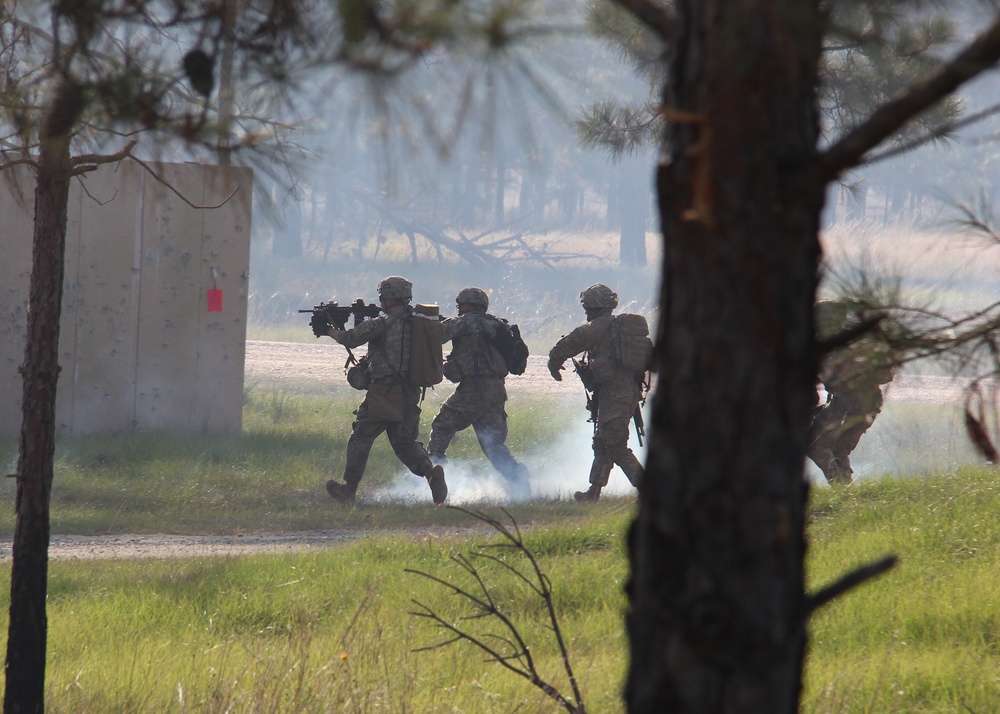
(452, 372)
(602, 369)
(385, 402)
(359, 375)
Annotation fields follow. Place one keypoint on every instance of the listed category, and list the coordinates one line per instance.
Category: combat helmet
(831, 317)
(599, 297)
(473, 296)
(396, 287)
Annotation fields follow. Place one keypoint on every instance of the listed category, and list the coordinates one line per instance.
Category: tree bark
(717, 601)
(27, 633)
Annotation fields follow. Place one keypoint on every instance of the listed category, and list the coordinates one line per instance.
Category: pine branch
(850, 150)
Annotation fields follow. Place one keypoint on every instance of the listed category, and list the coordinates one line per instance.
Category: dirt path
(317, 369)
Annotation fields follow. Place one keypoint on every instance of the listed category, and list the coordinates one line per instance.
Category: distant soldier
(615, 369)
(478, 401)
(852, 376)
(391, 404)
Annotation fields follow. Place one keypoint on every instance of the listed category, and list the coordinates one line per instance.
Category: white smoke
(558, 469)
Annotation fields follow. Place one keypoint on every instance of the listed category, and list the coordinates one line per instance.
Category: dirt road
(318, 368)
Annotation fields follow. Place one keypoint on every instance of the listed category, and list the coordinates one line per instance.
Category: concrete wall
(138, 346)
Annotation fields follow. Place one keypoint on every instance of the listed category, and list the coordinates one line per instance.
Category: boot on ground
(343, 492)
(439, 489)
(589, 496)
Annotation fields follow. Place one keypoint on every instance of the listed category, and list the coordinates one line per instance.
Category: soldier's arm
(453, 327)
(362, 334)
(572, 344)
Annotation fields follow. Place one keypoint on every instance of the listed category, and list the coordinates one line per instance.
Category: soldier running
(392, 402)
(617, 390)
(852, 376)
(478, 401)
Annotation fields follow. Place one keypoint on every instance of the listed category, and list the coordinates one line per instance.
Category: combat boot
(439, 489)
(590, 495)
(343, 492)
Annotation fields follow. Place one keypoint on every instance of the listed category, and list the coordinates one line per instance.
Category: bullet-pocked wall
(153, 331)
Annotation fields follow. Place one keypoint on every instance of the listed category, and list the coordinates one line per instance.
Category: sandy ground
(318, 369)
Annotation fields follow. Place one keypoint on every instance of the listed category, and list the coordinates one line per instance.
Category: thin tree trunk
(717, 602)
(27, 633)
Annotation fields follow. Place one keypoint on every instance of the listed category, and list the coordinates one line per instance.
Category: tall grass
(329, 630)
(321, 632)
(923, 638)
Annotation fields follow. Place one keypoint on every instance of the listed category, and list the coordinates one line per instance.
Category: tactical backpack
(507, 341)
(631, 342)
(426, 357)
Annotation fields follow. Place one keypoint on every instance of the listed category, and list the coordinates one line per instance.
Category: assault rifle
(586, 376)
(590, 389)
(330, 314)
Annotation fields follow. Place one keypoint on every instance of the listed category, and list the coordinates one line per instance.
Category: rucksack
(507, 341)
(633, 346)
(426, 360)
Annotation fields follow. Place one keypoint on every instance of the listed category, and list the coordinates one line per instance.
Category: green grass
(924, 637)
(329, 630)
(269, 478)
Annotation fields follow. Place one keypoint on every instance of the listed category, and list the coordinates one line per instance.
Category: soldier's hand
(555, 369)
(319, 325)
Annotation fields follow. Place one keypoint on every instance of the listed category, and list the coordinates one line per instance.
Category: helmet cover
(599, 296)
(473, 296)
(396, 287)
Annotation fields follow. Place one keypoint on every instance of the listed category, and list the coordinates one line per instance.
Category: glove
(555, 369)
(319, 325)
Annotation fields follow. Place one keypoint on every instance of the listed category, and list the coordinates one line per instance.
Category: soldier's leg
(491, 431)
(359, 446)
(860, 410)
(614, 434)
(453, 418)
(824, 431)
(403, 439)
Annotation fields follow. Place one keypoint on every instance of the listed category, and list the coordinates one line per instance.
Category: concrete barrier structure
(153, 329)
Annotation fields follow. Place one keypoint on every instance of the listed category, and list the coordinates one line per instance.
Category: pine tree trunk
(26, 639)
(717, 604)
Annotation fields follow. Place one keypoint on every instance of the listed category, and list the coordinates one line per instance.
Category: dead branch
(178, 193)
(848, 582)
(517, 655)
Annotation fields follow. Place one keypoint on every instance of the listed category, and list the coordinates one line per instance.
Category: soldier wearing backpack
(392, 400)
(852, 376)
(618, 356)
(479, 368)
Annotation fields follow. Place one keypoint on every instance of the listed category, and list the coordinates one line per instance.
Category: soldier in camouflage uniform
(617, 398)
(391, 404)
(479, 399)
(852, 376)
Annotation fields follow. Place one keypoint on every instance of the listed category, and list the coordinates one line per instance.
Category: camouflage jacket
(472, 351)
(388, 339)
(596, 340)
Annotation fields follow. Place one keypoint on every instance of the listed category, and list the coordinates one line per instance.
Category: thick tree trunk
(26, 639)
(717, 603)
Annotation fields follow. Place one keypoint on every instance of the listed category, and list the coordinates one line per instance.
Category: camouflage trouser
(836, 429)
(617, 402)
(478, 403)
(402, 437)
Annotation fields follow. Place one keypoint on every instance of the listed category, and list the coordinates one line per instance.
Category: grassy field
(331, 630)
